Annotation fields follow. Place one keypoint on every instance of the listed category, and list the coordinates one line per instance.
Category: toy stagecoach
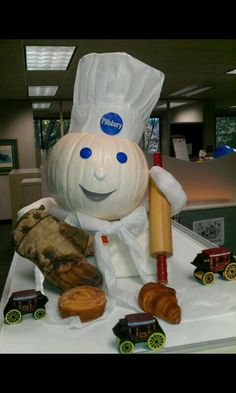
(24, 302)
(214, 260)
(136, 328)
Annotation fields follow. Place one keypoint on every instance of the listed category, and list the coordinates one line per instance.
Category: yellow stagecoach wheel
(13, 317)
(230, 271)
(39, 313)
(156, 341)
(126, 346)
(208, 278)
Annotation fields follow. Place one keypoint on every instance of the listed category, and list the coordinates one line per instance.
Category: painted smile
(95, 196)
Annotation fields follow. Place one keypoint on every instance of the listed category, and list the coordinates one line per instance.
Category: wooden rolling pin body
(160, 226)
(160, 223)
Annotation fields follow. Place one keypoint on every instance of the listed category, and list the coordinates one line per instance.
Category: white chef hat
(114, 93)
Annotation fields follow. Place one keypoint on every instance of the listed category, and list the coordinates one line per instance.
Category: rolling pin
(160, 226)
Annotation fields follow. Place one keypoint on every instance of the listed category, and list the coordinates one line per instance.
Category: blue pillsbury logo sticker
(111, 123)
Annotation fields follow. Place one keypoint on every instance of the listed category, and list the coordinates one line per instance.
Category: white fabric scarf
(126, 229)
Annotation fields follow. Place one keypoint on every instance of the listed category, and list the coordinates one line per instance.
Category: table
(204, 327)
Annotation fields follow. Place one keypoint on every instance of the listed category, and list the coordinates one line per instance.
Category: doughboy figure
(98, 176)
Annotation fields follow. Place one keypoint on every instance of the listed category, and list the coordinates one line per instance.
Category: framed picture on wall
(8, 155)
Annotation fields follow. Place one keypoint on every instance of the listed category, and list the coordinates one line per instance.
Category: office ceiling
(185, 62)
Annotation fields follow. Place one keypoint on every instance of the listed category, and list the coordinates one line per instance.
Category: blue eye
(121, 157)
(86, 152)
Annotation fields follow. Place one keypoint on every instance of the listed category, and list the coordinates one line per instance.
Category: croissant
(161, 301)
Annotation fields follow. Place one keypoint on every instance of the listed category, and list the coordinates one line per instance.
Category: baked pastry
(161, 301)
(85, 301)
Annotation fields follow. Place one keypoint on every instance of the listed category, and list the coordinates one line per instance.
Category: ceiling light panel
(183, 91)
(232, 71)
(172, 104)
(42, 90)
(197, 91)
(48, 58)
(41, 105)
(190, 90)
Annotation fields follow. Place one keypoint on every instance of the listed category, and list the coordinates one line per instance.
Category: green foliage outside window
(226, 131)
(48, 132)
(151, 135)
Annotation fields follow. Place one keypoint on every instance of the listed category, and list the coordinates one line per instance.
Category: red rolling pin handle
(157, 159)
(161, 269)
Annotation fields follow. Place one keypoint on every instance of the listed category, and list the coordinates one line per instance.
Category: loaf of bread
(85, 301)
(161, 301)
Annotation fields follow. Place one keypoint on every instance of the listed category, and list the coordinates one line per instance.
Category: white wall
(16, 122)
(192, 113)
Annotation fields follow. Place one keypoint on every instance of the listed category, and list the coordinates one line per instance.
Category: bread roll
(85, 301)
(161, 301)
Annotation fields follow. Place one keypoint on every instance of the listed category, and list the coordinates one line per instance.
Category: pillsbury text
(111, 123)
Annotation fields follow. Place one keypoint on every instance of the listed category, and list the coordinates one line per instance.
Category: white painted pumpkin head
(100, 175)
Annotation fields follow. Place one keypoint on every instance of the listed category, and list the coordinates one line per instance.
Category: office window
(48, 132)
(226, 130)
(151, 137)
